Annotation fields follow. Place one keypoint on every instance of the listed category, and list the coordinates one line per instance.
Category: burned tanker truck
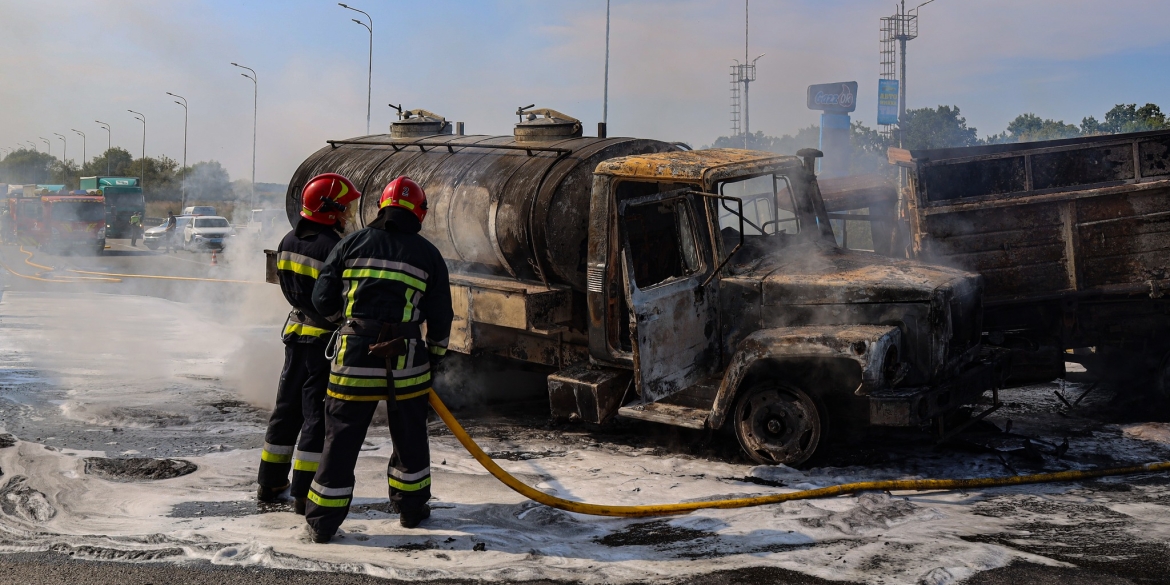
(627, 267)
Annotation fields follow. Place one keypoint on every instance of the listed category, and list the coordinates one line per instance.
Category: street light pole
(605, 87)
(82, 144)
(255, 102)
(64, 147)
(370, 78)
(48, 145)
(141, 163)
(183, 185)
(109, 143)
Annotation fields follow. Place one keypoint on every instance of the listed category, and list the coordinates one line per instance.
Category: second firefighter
(386, 280)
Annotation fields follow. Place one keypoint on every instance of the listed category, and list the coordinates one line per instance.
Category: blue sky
(64, 64)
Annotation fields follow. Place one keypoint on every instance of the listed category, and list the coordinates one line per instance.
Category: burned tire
(778, 423)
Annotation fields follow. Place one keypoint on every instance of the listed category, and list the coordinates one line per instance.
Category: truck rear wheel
(777, 423)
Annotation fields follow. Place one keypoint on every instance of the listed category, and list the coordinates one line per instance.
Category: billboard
(833, 98)
(887, 101)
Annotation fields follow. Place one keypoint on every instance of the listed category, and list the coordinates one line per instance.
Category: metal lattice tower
(735, 104)
(742, 74)
(896, 30)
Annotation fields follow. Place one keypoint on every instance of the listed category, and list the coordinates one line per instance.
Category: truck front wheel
(777, 423)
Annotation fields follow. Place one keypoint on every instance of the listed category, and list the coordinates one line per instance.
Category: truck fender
(870, 346)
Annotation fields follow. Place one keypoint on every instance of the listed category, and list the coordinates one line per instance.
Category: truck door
(666, 257)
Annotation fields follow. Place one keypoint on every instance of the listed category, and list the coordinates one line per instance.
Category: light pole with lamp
(48, 145)
(370, 75)
(255, 101)
(183, 185)
(64, 147)
(82, 144)
(109, 142)
(142, 163)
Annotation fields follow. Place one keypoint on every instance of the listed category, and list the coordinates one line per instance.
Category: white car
(207, 232)
(155, 237)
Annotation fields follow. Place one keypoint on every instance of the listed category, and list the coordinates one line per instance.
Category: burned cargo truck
(628, 268)
(1072, 238)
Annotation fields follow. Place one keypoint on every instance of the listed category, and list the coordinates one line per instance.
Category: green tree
(160, 178)
(869, 150)
(27, 167)
(1130, 118)
(207, 181)
(1030, 127)
(787, 144)
(65, 173)
(120, 164)
(928, 128)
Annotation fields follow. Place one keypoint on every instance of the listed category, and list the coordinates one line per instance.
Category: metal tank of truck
(627, 267)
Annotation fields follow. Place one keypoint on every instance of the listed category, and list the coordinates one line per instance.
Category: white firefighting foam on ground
(170, 360)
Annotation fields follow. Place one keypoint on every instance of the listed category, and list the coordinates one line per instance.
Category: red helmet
(405, 193)
(324, 198)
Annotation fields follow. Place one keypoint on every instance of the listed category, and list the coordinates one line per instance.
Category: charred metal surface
(866, 345)
(484, 203)
(811, 283)
(918, 406)
(1074, 249)
(1071, 229)
(588, 393)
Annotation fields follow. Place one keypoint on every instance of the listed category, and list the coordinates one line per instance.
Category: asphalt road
(58, 569)
(244, 262)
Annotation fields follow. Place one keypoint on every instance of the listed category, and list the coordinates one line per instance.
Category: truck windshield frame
(781, 186)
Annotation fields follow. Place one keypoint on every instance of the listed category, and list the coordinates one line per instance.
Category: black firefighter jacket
(388, 274)
(300, 257)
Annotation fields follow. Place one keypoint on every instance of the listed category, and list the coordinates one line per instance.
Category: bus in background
(123, 197)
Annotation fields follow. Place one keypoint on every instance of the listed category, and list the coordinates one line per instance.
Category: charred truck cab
(758, 320)
(657, 283)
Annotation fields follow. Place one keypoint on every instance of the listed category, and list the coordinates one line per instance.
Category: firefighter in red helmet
(387, 280)
(300, 394)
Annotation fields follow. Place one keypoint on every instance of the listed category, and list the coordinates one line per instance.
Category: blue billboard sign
(887, 101)
(833, 98)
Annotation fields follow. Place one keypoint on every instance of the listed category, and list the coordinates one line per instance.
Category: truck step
(671, 414)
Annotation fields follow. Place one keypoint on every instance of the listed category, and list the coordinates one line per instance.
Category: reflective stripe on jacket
(299, 259)
(392, 276)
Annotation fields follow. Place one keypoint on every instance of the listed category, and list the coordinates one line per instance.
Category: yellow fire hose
(39, 275)
(836, 490)
(157, 277)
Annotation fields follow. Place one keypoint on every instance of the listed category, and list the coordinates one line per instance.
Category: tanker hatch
(416, 123)
(544, 125)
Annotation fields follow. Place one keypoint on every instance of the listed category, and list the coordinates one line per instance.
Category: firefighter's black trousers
(299, 409)
(409, 471)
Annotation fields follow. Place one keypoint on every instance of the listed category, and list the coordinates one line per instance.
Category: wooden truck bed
(1043, 220)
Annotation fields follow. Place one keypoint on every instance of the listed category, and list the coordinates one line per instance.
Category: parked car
(199, 210)
(154, 238)
(207, 232)
(268, 221)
